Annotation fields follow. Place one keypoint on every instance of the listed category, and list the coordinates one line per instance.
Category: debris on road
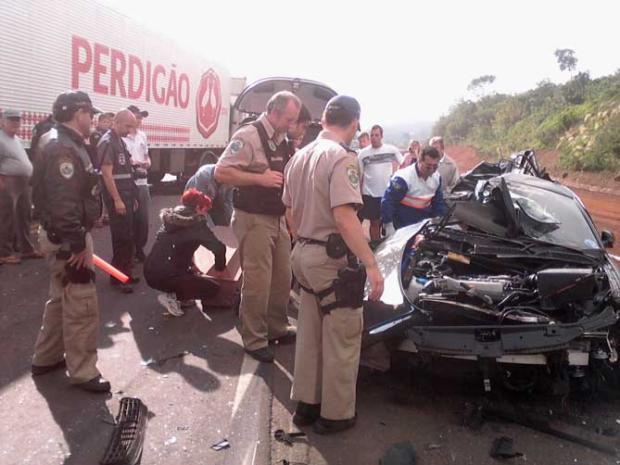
(287, 438)
(494, 411)
(223, 444)
(503, 448)
(170, 441)
(402, 453)
(151, 361)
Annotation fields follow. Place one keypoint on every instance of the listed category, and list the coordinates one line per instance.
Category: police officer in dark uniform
(65, 191)
(119, 194)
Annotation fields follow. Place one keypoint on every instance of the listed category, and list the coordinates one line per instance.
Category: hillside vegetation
(581, 119)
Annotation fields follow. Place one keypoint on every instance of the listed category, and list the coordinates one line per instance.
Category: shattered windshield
(562, 220)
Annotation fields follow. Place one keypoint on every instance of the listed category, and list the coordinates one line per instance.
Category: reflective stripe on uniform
(122, 176)
(417, 202)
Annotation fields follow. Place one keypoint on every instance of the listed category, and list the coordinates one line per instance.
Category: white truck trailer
(193, 103)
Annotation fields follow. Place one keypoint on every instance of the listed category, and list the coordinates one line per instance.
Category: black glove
(78, 275)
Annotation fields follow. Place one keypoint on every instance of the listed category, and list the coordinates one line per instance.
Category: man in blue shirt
(220, 194)
(414, 193)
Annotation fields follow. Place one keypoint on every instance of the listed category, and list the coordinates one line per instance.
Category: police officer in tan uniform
(66, 197)
(322, 195)
(254, 162)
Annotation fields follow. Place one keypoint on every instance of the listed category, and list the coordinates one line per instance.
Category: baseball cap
(136, 111)
(11, 113)
(69, 102)
(342, 108)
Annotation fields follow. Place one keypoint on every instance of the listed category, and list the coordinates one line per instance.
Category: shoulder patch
(235, 146)
(66, 169)
(353, 175)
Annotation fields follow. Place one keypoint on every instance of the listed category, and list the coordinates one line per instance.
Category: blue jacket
(410, 199)
(221, 195)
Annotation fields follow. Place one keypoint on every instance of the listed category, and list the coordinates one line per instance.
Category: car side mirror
(608, 238)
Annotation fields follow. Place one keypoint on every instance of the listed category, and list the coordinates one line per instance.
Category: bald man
(120, 194)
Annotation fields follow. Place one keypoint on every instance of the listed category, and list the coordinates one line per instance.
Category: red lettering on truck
(99, 69)
(183, 90)
(135, 70)
(79, 66)
(159, 97)
(115, 73)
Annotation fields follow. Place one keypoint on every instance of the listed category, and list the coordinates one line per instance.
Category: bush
(593, 145)
(556, 124)
(580, 118)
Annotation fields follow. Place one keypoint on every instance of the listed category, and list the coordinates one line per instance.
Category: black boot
(324, 426)
(306, 414)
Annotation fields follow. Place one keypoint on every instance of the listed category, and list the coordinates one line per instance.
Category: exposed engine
(457, 286)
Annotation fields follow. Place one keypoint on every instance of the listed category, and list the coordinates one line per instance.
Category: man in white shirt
(448, 170)
(377, 164)
(138, 147)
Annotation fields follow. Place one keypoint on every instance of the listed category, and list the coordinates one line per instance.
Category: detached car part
(125, 447)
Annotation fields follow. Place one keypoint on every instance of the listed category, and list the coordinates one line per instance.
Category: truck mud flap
(125, 447)
(495, 341)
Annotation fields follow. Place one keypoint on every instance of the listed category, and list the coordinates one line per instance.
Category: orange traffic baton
(109, 269)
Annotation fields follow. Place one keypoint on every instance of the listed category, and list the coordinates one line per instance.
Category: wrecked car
(515, 275)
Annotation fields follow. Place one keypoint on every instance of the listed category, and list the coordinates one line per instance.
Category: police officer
(254, 162)
(65, 195)
(322, 194)
(120, 194)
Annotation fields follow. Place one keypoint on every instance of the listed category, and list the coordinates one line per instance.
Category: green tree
(479, 85)
(566, 59)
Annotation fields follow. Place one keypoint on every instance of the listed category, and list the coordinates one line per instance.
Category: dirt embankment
(600, 192)
(606, 182)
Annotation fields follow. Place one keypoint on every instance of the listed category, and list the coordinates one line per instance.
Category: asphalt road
(200, 389)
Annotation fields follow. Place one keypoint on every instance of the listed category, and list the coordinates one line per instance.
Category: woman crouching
(170, 267)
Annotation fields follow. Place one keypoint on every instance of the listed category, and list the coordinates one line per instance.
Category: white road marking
(248, 369)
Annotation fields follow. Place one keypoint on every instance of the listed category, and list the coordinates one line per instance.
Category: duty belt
(348, 287)
(305, 240)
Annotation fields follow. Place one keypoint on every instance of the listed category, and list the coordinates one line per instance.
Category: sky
(405, 61)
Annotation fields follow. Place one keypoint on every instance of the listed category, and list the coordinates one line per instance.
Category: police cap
(69, 102)
(136, 111)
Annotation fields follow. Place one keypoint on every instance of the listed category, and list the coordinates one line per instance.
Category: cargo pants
(70, 326)
(264, 250)
(327, 352)
(122, 232)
